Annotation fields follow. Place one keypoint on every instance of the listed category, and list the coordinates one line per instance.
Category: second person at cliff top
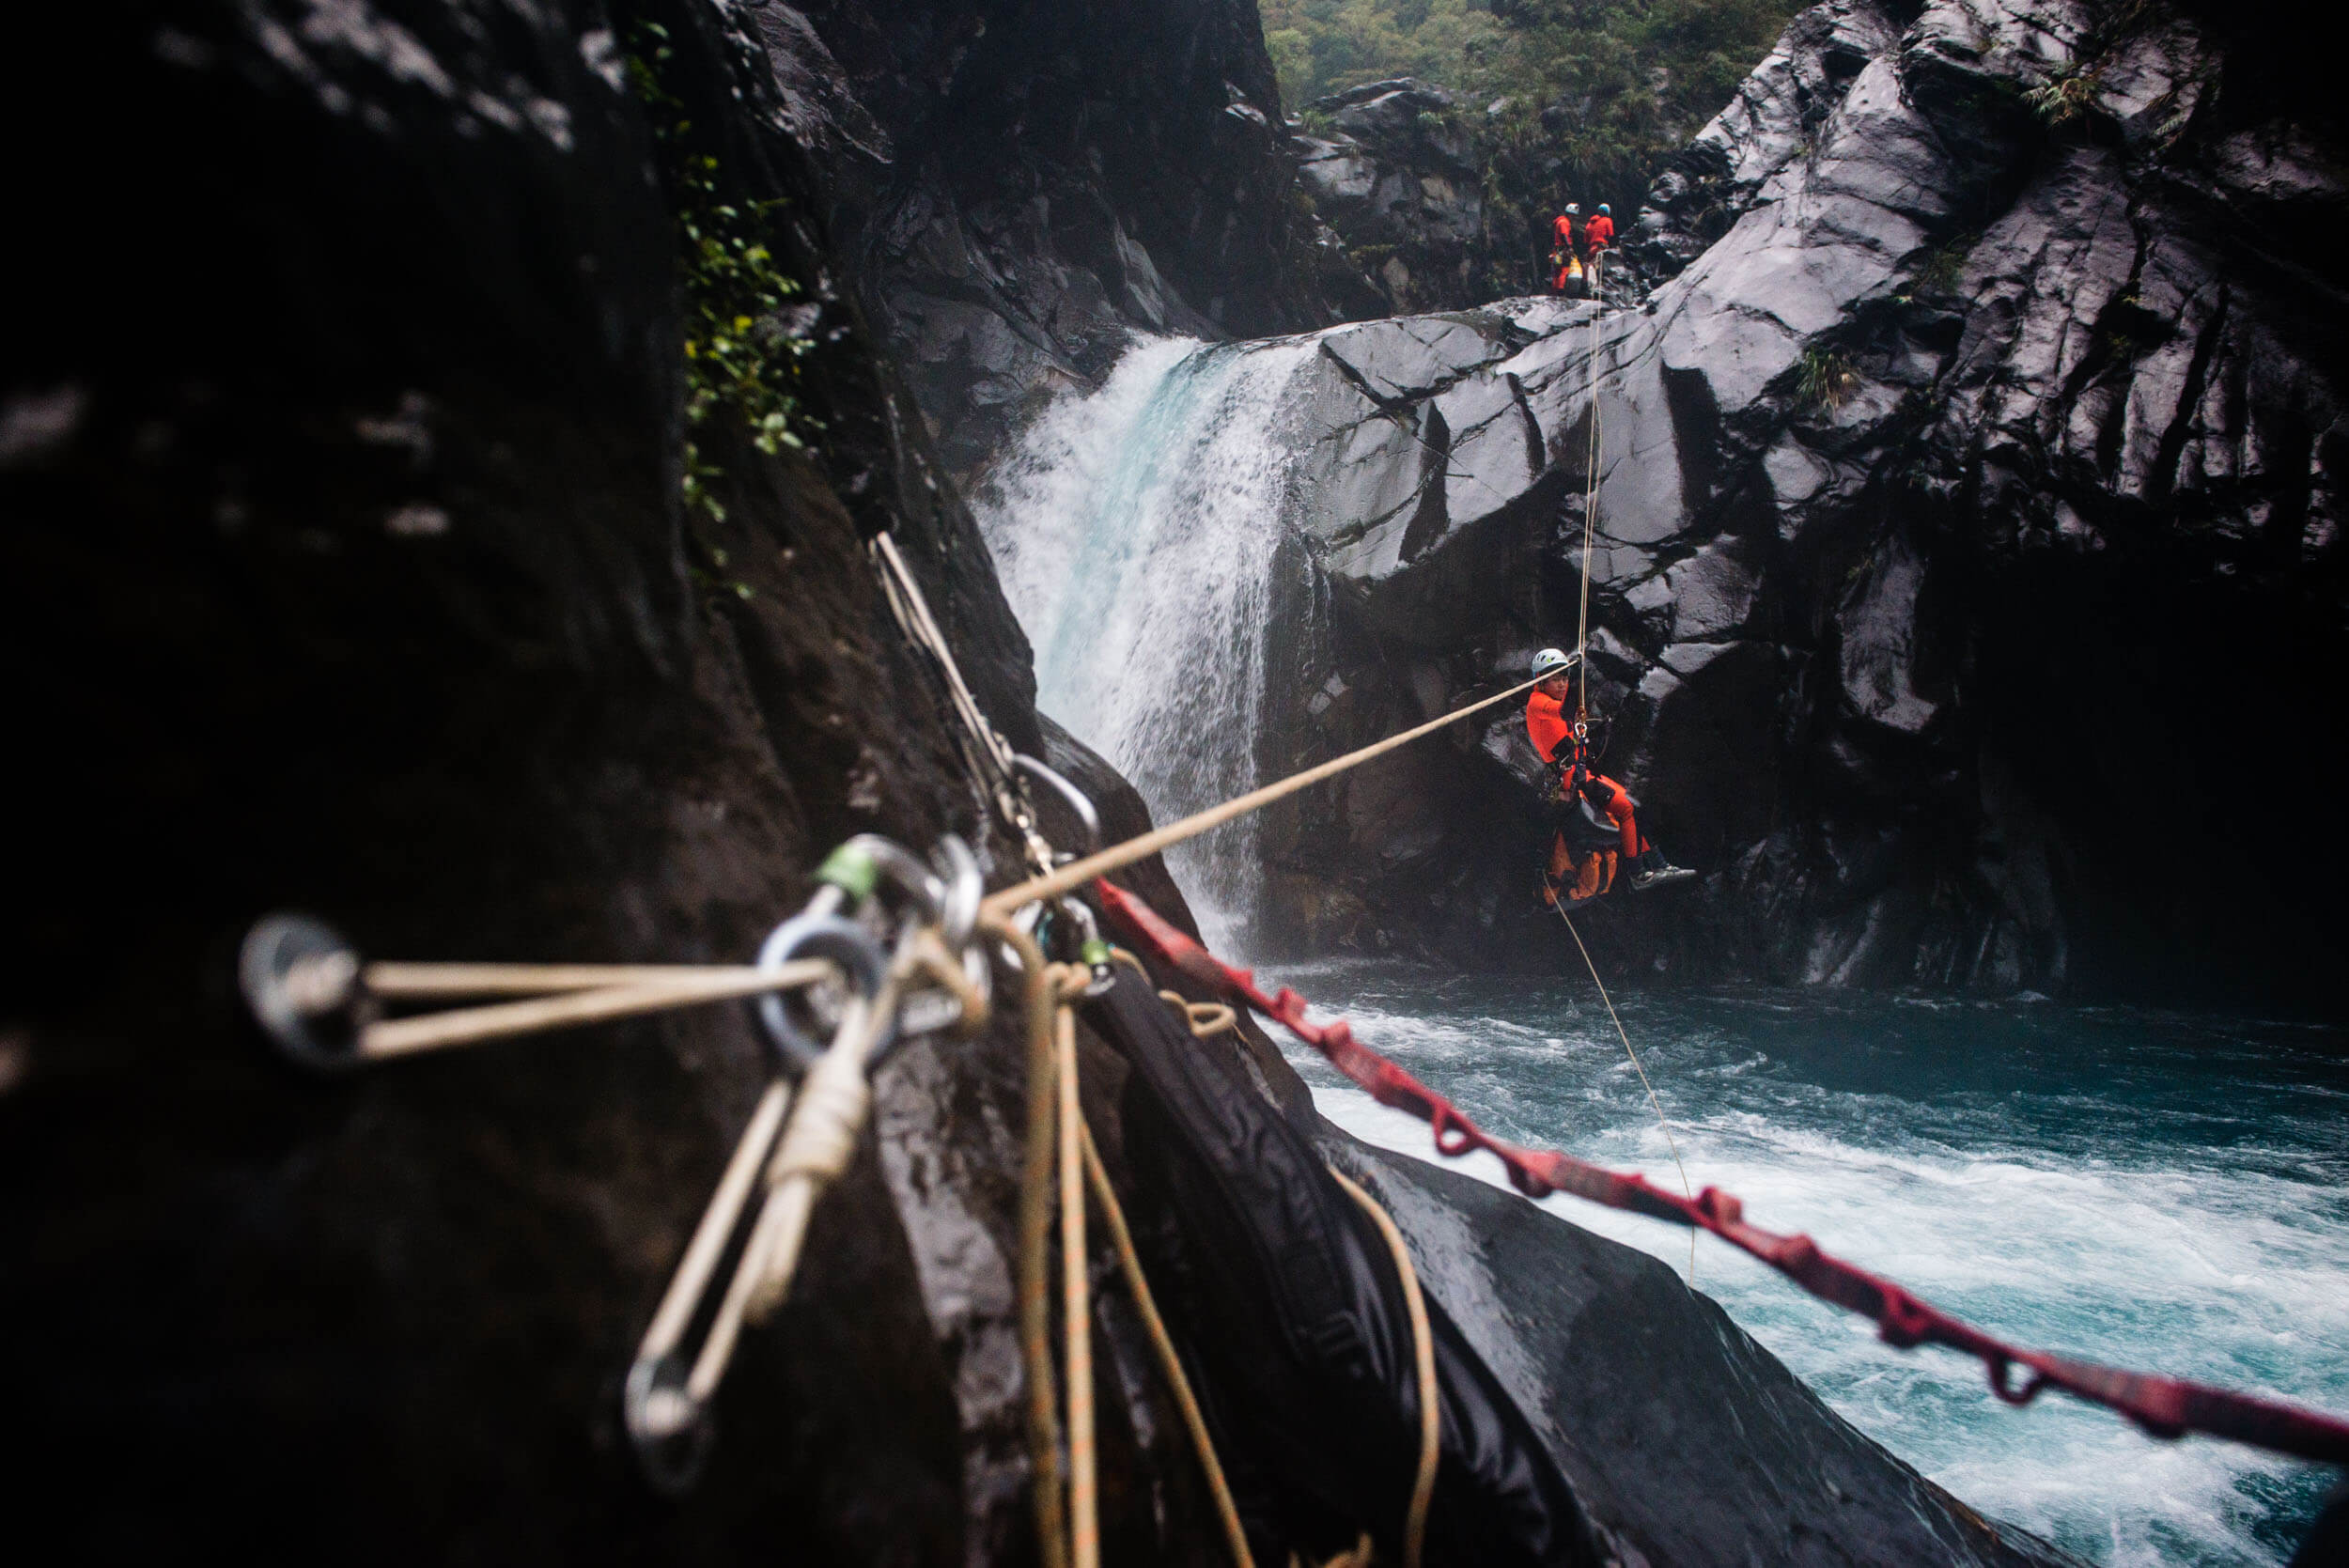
(1561, 249)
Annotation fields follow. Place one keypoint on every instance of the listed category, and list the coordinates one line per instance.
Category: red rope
(2164, 1406)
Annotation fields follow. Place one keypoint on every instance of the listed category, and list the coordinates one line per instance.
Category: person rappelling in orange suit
(1563, 743)
(1562, 248)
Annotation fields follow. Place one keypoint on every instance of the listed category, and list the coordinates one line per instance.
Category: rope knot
(821, 1138)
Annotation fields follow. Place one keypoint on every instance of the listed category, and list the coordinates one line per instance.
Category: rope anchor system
(823, 973)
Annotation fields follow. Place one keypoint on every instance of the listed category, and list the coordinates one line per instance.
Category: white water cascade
(1134, 529)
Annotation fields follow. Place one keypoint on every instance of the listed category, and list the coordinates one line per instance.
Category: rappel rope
(1590, 527)
(1661, 1121)
(1592, 453)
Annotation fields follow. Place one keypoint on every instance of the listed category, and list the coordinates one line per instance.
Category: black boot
(1650, 870)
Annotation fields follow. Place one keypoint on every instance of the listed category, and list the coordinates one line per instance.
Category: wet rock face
(1987, 418)
(1532, 1294)
(1398, 178)
(339, 447)
(1020, 188)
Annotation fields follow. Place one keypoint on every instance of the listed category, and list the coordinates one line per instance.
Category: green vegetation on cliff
(1606, 88)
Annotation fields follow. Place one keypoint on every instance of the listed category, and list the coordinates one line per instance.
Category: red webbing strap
(2164, 1406)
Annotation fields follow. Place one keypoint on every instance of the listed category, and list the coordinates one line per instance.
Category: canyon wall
(1970, 580)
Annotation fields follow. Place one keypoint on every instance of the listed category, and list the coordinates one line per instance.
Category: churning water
(2148, 1190)
(1134, 529)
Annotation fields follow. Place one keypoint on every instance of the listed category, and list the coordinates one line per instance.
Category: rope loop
(1202, 1019)
(2000, 1368)
(1903, 1320)
(1453, 1137)
(833, 1102)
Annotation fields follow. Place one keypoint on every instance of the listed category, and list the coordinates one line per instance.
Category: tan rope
(708, 1244)
(771, 1252)
(1034, 1277)
(938, 965)
(1084, 1522)
(690, 988)
(992, 754)
(1163, 1343)
(1423, 1360)
(1660, 1120)
(1202, 1019)
(1590, 514)
(1118, 856)
(391, 978)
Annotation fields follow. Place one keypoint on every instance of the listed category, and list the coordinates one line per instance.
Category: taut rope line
(1660, 1120)
(1076, 873)
(1590, 519)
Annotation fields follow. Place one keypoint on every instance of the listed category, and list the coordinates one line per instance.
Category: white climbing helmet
(1550, 662)
(1574, 209)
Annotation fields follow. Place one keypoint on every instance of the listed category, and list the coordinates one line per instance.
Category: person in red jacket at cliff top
(1563, 744)
(1597, 236)
(1561, 246)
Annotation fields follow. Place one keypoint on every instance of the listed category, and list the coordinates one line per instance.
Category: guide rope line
(1084, 1522)
(321, 1005)
(1032, 1281)
(1162, 1344)
(2164, 1407)
(1592, 453)
(1590, 521)
(994, 765)
(1424, 1364)
(1658, 1105)
(1076, 873)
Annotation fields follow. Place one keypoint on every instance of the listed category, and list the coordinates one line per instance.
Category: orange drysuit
(1552, 733)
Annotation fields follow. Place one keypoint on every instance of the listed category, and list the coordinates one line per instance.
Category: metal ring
(819, 935)
(300, 981)
(904, 870)
(965, 887)
(670, 1430)
(1078, 799)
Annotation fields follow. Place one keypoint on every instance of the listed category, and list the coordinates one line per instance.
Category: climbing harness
(2164, 1407)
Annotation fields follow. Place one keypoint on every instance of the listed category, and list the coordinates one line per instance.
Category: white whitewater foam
(2223, 1264)
(1133, 528)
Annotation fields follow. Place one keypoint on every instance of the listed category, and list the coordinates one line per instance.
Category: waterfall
(1134, 528)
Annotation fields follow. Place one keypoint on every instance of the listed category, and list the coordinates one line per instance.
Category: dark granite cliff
(1019, 187)
(1972, 585)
